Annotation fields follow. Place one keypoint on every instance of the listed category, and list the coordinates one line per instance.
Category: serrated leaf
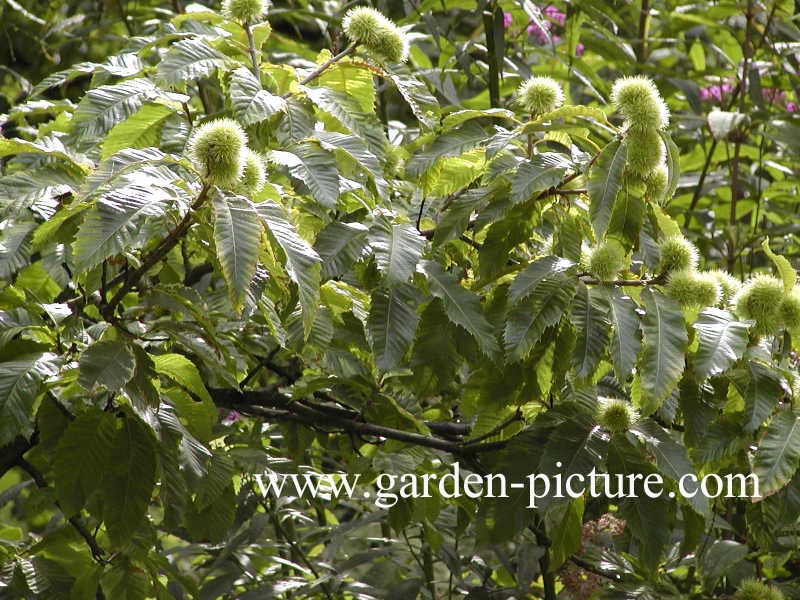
(540, 173)
(114, 224)
(103, 107)
(339, 246)
(391, 324)
(397, 247)
(625, 339)
(355, 147)
(761, 389)
(250, 102)
(721, 342)
(589, 317)
(21, 382)
(541, 308)
(128, 481)
(450, 174)
(672, 460)
(183, 372)
(190, 59)
(140, 130)
(302, 262)
(605, 181)
(424, 105)
(458, 117)
(315, 167)
(348, 112)
(123, 581)
(462, 306)
(80, 458)
(627, 218)
(109, 364)
(665, 343)
(237, 237)
(784, 267)
(454, 143)
(349, 77)
(778, 454)
(36, 188)
(526, 280)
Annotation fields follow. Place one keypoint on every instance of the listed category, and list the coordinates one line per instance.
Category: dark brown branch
(271, 404)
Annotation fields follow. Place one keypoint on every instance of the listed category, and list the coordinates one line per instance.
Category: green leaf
(453, 173)
(348, 112)
(424, 105)
(81, 457)
(458, 117)
(778, 454)
(672, 460)
(350, 77)
(665, 344)
(340, 245)
(36, 188)
(627, 218)
(183, 372)
(103, 107)
(454, 143)
(302, 262)
(237, 237)
(140, 130)
(49, 146)
(391, 324)
(397, 247)
(565, 533)
(124, 581)
(462, 306)
(761, 388)
(129, 480)
(589, 317)
(784, 267)
(525, 282)
(21, 382)
(190, 59)
(721, 342)
(625, 338)
(721, 559)
(543, 171)
(542, 308)
(315, 167)
(109, 364)
(251, 103)
(605, 181)
(115, 224)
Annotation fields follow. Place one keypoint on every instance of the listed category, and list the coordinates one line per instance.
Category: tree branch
(97, 551)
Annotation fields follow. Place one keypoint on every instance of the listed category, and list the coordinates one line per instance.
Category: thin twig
(38, 478)
(321, 69)
(159, 252)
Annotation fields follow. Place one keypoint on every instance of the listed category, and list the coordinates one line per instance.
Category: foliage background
(386, 304)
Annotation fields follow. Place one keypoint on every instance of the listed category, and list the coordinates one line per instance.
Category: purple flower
(508, 19)
(231, 417)
(555, 15)
(579, 50)
(791, 107)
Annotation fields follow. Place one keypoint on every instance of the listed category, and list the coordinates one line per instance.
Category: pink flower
(508, 19)
(555, 15)
(579, 50)
(231, 417)
(791, 107)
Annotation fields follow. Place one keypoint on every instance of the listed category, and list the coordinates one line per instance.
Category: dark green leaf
(605, 181)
